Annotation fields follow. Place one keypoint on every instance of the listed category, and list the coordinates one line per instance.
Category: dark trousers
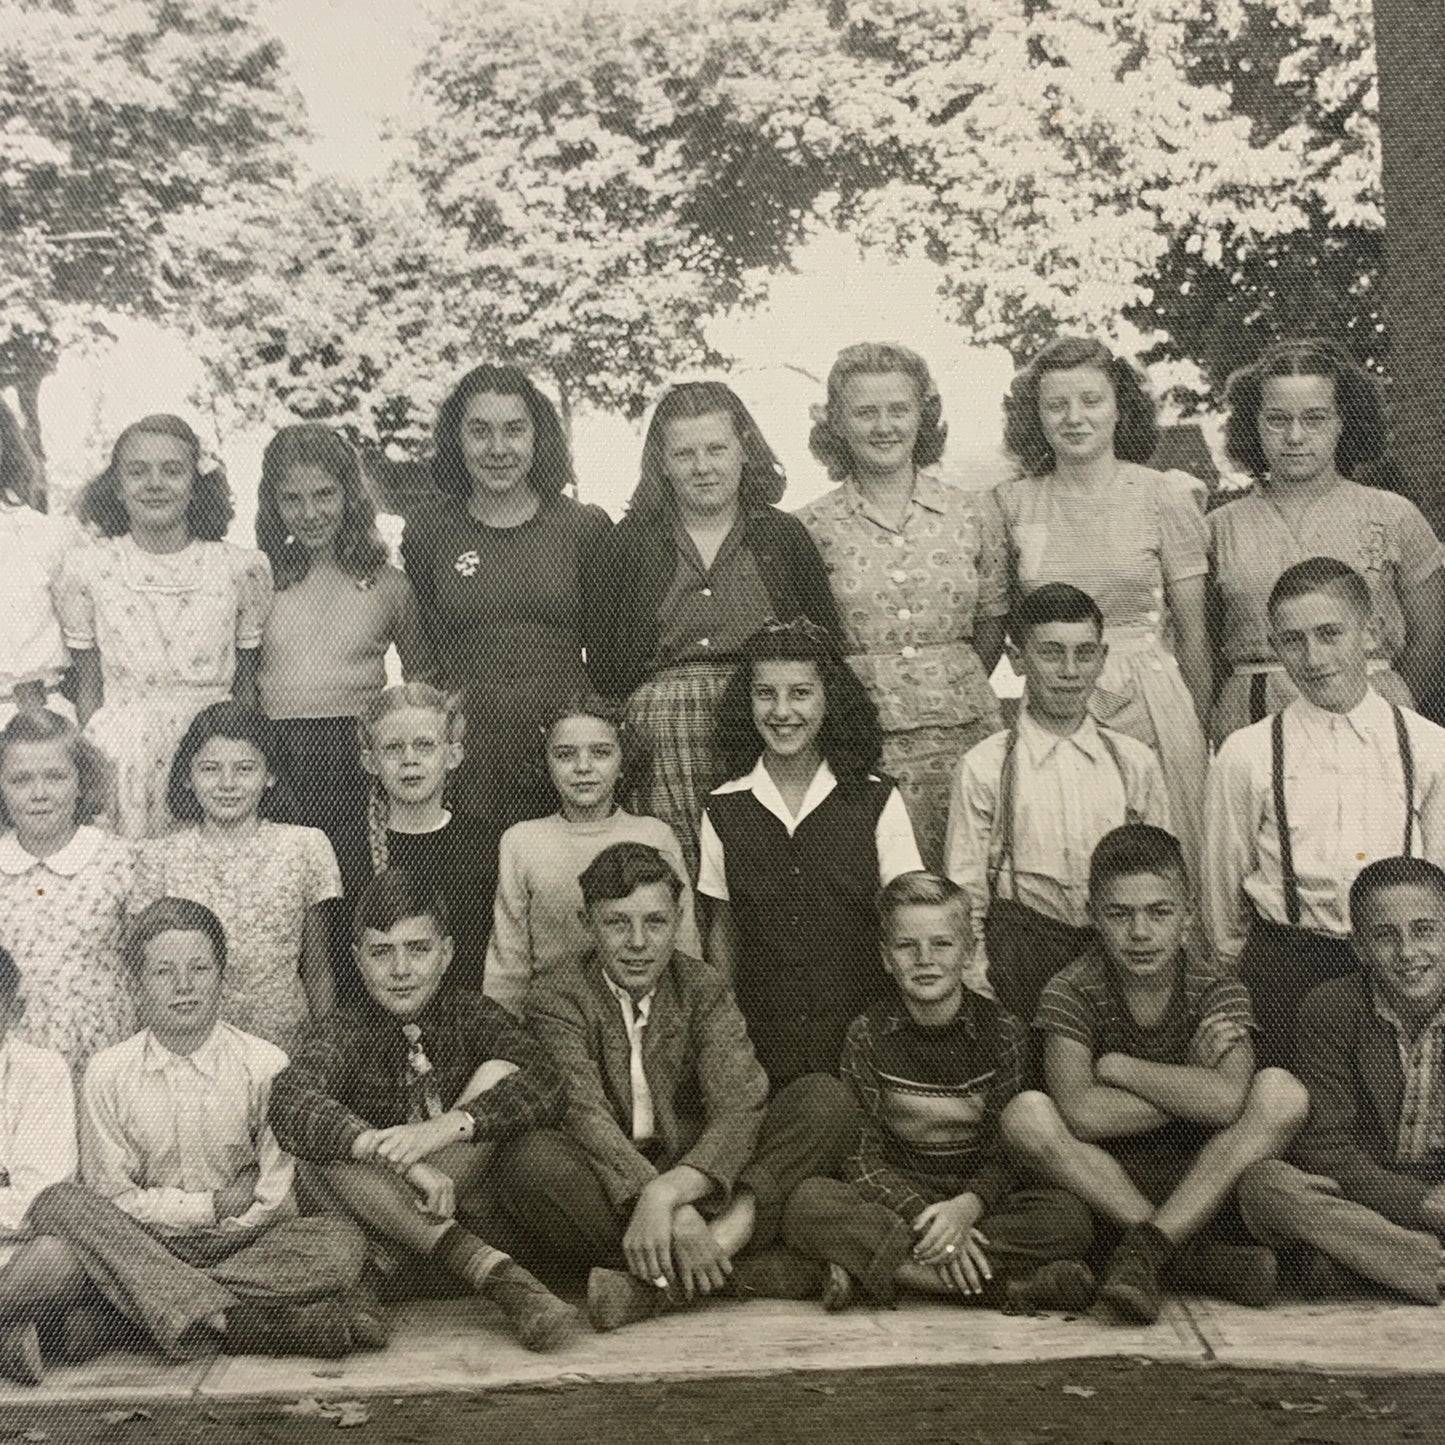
(832, 1221)
(1280, 965)
(572, 1224)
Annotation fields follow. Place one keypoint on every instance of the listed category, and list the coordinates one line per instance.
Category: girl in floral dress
(161, 616)
(267, 881)
(63, 888)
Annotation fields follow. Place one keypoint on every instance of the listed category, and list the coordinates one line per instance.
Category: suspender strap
(1281, 823)
(1131, 813)
(1407, 766)
(1258, 695)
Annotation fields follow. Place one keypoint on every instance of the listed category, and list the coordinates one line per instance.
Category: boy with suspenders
(1030, 803)
(1299, 803)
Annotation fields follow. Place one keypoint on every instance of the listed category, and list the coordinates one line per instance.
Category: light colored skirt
(671, 718)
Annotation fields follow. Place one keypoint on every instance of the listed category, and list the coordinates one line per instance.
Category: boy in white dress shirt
(1354, 779)
(1030, 803)
(185, 1223)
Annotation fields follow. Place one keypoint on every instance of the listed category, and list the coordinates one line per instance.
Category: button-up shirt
(1345, 797)
(635, 1016)
(162, 1132)
(1421, 1130)
(37, 1129)
(1068, 792)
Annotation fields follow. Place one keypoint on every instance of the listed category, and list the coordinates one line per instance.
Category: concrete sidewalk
(458, 1345)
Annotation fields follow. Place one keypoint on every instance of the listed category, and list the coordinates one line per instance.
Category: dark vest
(808, 959)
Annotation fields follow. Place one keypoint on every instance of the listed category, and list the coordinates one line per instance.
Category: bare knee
(1266, 1182)
(1031, 1125)
(1278, 1102)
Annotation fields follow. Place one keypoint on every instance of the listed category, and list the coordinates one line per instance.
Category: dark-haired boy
(928, 1202)
(1030, 803)
(1366, 1190)
(671, 1178)
(400, 1101)
(1298, 803)
(185, 1223)
(1153, 1109)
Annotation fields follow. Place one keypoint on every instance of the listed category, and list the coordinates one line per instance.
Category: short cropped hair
(1322, 574)
(9, 975)
(173, 915)
(1136, 848)
(1053, 602)
(396, 894)
(619, 871)
(1385, 873)
(1357, 400)
(922, 889)
(1135, 432)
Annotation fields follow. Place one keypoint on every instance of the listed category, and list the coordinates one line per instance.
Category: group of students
(781, 969)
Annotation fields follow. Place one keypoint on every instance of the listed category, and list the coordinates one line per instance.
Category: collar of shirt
(66, 861)
(1370, 717)
(1386, 1014)
(760, 784)
(896, 1016)
(928, 493)
(1043, 744)
(633, 1009)
(687, 548)
(205, 1060)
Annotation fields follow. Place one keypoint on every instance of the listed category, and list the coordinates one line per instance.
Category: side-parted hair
(211, 508)
(763, 479)
(877, 358)
(1385, 873)
(396, 894)
(21, 480)
(1136, 848)
(551, 471)
(1135, 433)
(10, 979)
(40, 725)
(620, 870)
(922, 889)
(173, 915)
(1053, 602)
(1357, 400)
(360, 551)
(1322, 574)
(422, 695)
(238, 723)
(850, 738)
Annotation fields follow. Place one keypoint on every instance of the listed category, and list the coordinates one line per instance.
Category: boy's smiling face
(926, 951)
(1400, 938)
(635, 936)
(1141, 919)
(178, 988)
(403, 966)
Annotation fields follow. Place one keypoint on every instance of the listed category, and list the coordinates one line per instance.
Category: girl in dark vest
(796, 846)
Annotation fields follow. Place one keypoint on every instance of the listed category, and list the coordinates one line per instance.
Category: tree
(114, 116)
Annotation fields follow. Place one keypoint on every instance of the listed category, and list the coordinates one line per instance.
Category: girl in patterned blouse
(266, 880)
(63, 888)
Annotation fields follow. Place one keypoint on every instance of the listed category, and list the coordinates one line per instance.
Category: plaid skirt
(670, 721)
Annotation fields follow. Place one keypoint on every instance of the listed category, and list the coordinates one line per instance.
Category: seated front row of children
(631, 1134)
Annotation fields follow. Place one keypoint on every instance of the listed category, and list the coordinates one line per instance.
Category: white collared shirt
(162, 1132)
(1068, 792)
(37, 1127)
(893, 836)
(635, 1016)
(65, 862)
(1345, 796)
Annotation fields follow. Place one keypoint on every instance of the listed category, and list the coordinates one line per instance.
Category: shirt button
(900, 575)
(1152, 614)
(707, 591)
(896, 541)
(904, 614)
(910, 652)
(704, 642)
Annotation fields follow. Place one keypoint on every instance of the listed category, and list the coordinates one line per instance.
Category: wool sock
(464, 1255)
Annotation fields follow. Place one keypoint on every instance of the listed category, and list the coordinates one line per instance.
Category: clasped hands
(670, 1245)
(949, 1243)
(404, 1149)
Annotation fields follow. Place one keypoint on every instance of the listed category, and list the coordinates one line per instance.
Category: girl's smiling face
(410, 754)
(789, 704)
(41, 787)
(312, 505)
(584, 759)
(157, 474)
(229, 777)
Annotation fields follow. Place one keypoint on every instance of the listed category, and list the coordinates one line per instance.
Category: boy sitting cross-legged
(928, 1202)
(672, 1175)
(185, 1224)
(399, 1102)
(1367, 1200)
(1153, 1109)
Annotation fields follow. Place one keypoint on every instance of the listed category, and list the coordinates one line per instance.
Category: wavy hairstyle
(605, 710)
(763, 479)
(211, 508)
(850, 738)
(551, 470)
(92, 767)
(21, 480)
(238, 723)
(1357, 399)
(1135, 434)
(877, 358)
(360, 552)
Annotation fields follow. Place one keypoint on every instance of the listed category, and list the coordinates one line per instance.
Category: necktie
(424, 1091)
